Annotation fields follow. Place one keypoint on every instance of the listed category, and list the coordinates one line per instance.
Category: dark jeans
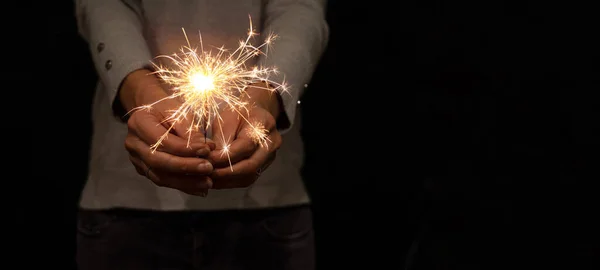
(239, 239)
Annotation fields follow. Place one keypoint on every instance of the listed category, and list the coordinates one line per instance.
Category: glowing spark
(202, 82)
(225, 151)
(259, 134)
(206, 81)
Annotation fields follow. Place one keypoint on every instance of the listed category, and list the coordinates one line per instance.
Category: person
(183, 207)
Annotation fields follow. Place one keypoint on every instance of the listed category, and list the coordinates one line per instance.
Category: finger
(148, 127)
(194, 185)
(140, 167)
(187, 127)
(224, 129)
(166, 162)
(145, 171)
(238, 150)
(182, 127)
(188, 130)
(241, 174)
(200, 138)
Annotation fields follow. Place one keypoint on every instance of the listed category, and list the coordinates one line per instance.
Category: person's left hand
(232, 134)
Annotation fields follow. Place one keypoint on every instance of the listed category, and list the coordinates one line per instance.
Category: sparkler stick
(204, 82)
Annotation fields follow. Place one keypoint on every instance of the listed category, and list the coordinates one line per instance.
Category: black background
(470, 128)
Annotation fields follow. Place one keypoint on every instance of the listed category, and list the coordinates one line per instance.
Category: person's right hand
(174, 164)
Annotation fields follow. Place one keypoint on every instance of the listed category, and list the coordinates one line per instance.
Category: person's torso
(114, 182)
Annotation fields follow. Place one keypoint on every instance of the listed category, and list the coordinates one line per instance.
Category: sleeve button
(100, 47)
(108, 64)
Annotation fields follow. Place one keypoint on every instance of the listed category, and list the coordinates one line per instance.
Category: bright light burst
(207, 83)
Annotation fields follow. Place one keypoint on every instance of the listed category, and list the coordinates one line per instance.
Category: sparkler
(207, 83)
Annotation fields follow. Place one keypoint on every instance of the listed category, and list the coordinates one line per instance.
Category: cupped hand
(240, 157)
(179, 160)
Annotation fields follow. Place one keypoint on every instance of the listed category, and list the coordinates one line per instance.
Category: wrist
(262, 95)
(139, 88)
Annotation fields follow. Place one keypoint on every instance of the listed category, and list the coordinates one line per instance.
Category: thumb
(176, 118)
(193, 130)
